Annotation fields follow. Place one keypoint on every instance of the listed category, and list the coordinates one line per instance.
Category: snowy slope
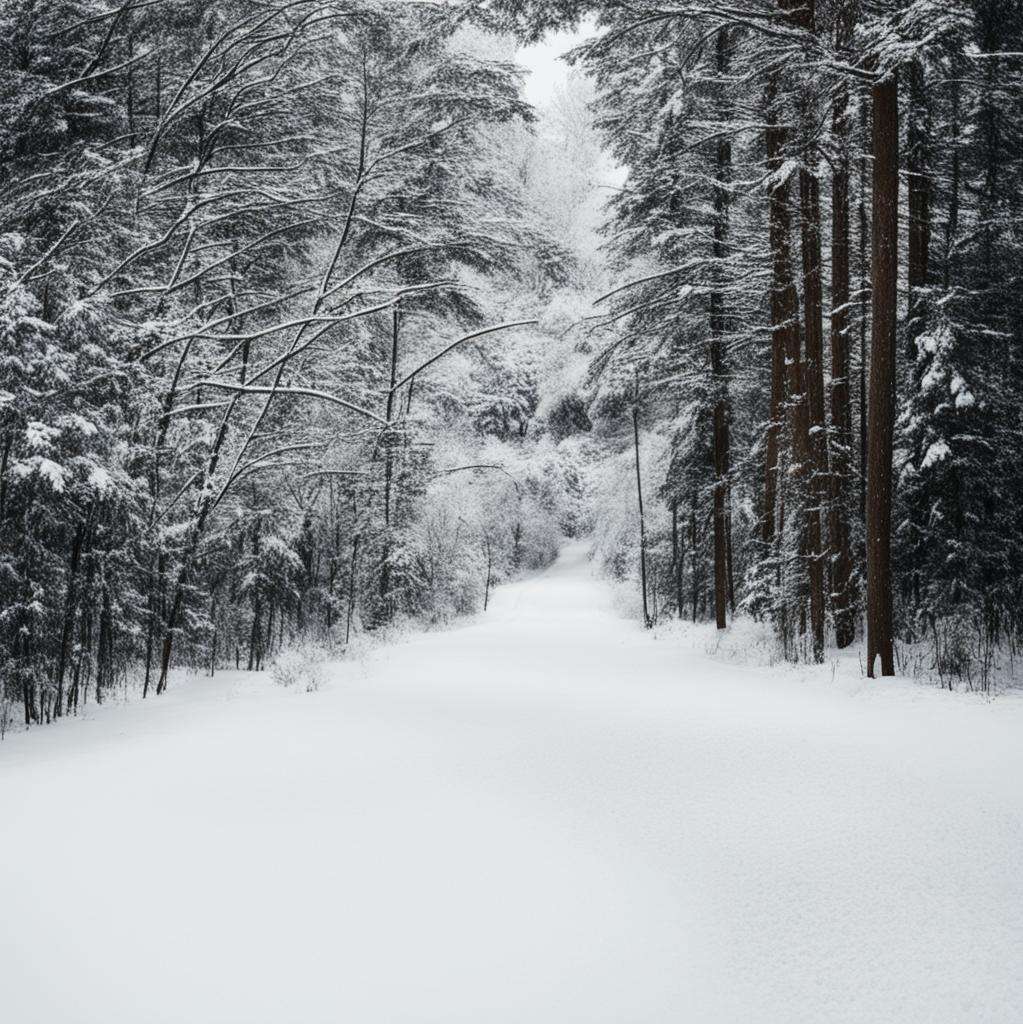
(543, 816)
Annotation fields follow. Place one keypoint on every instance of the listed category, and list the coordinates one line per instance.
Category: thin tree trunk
(843, 601)
(70, 607)
(490, 567)
(105, 643)
(816, 441)
(722, 178)
(4, 459)
(254, 635)
(880, 627)
(213, 648)
(772, 522)
(787, 356)
(388, 443)
(807, 436)
(696, 577)
(918, 256)
(786, 364)
(647, 621)
(677, 559)
(917, 279)
(352, 588)
(952, 225)
(266, 646)
(865, 303)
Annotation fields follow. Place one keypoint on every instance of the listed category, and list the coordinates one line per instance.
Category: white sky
(546, 70)
(547, 73)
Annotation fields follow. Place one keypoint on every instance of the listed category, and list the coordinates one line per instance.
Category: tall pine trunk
(918, 265)
(810, 443)
(864, 300)
(718, 359)
(884, 312)
(917, 278)
(816, 431)
(647, 616)
(842, 597)
(784, 308)
(389, 442)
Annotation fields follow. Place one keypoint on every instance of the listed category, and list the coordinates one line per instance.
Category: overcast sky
(546, 70)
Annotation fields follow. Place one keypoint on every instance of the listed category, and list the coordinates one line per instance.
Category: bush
(301, 666)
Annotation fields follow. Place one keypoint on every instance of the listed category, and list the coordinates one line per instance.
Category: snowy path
(543, 817)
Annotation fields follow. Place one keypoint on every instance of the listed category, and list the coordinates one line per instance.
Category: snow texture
(544, 816)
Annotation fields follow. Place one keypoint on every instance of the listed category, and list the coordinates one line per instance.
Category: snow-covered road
(546, 816)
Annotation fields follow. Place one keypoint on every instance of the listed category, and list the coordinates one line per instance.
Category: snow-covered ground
(546, 816)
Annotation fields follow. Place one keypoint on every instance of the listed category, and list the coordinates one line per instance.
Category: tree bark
(917, 279)
(792, 423)
(918, 261)
(352, 588)
(719, 370)
(952, 223)
(490, 570)
(647, 620)
(784, 307)
(843, 600)
(884, 313)
(677, 558)
(816, 440)
(389, 441)
(693, 543)
(70, 609)
(864, 301)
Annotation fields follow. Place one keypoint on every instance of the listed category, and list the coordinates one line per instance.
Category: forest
(313, 328)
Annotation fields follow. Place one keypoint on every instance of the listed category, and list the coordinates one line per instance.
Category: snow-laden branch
(481, 466)
(461, 341)
(259, 463)
(49, 252)
(322, 396)
(685, 268)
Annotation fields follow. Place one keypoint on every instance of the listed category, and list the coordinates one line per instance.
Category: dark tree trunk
(865, 301)
(840, 480)
(389, 443)
(4, 459)
(696, 576)
(816, 440)
(155, 579)
(352, 588)
(255, 636)
(807, 436)
(784, 309)
(105, 643)
(884, 310)
(952, 225)
(647, 620)
(490, 570)
(917, 166)
(719, 369)
(677, 559)
(917, 279)
(843, 600)
(70, 608)
(787, 334)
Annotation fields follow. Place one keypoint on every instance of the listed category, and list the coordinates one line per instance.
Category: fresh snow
(544, 816)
